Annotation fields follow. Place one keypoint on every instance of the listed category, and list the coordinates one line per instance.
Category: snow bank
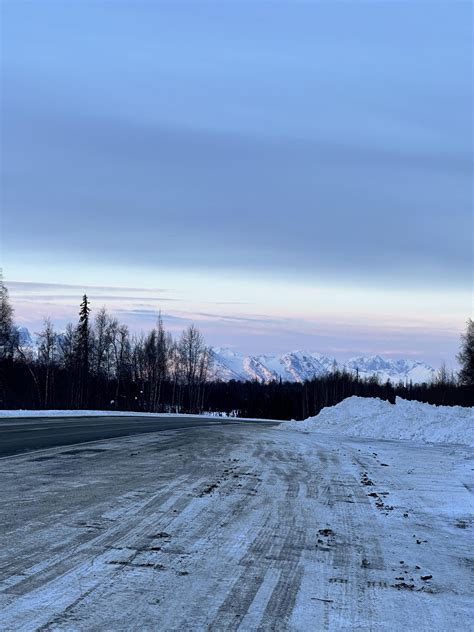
(378, 419)
(84, 413)
(27, 414)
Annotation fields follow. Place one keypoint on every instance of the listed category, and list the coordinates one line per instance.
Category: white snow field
(47, 414)
(238, 527)
(81, 413)
(378, 419)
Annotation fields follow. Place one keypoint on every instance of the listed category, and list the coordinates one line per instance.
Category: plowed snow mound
(378, 419)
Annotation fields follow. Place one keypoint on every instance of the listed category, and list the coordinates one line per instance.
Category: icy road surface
(238, 527)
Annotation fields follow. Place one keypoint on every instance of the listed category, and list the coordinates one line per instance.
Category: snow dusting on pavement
(237, 527)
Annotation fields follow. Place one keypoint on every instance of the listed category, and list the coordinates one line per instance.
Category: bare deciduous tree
(47, 358)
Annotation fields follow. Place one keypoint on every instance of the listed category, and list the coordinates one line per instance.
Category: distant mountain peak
(24, 336)
(298, 366)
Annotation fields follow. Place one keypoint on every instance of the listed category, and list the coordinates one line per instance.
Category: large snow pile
(378, 419)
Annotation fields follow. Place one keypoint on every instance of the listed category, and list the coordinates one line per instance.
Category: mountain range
(298, 366)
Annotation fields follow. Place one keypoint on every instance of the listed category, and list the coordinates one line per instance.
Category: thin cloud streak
(256, 334)
(34, 286)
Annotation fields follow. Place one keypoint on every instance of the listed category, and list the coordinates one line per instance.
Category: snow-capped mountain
(393, 370)
(299, 366)
(24, 337)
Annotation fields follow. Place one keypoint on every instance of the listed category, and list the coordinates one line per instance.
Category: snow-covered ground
(20, 413)
(75, 413)
(378, 419)
(238, 527)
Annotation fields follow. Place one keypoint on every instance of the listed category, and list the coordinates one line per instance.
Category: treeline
(97, 364)
(288, 400)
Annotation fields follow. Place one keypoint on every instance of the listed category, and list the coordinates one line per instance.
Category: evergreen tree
(466, 355)
(161, 359)
(82, 350)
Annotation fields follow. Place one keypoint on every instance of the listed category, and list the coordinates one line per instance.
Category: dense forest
(98, 364)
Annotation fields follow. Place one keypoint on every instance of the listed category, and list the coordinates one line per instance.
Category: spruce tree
(466, 355)
(82, 350)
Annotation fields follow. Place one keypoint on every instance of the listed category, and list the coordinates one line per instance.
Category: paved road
(21, 435)
(237, 527)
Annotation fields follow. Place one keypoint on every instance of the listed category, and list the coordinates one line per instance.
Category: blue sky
(288, 175)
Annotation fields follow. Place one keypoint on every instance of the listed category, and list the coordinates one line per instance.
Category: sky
(285, 175)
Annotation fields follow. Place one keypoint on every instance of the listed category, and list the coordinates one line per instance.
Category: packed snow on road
(245, 527)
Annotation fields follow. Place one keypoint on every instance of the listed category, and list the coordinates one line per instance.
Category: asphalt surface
(237, 527)
(19, 435)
